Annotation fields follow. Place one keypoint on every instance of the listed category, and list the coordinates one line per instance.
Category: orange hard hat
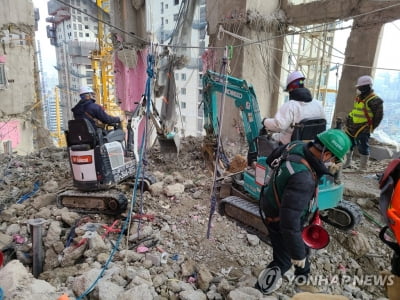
(63, 297)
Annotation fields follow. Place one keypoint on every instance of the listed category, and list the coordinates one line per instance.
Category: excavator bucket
(169, 143)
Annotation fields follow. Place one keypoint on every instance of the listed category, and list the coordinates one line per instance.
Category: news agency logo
(269, 280)
(361, 280)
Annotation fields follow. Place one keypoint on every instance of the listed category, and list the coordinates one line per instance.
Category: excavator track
(245, 212)
(110, 202)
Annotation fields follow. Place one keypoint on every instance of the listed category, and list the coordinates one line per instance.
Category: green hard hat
(336, 141)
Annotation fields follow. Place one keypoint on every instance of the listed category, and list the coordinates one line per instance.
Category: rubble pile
(158, 248)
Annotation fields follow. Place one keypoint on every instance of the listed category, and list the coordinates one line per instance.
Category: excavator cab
(97, 156)
(307, 129)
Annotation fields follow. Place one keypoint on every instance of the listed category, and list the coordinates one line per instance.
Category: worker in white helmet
(300, 106)
(87, 108)
(365, 117)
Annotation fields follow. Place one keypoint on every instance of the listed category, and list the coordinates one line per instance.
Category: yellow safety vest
(361, 112)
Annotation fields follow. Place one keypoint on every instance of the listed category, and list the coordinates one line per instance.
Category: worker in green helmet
(285, 201)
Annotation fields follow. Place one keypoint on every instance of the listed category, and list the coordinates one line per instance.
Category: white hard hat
(294, 76)
(364, 80)
(85, 90)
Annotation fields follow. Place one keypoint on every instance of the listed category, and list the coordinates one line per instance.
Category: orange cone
(63, 297)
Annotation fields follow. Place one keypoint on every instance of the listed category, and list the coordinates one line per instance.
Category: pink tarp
(10, 131)
(130, 84)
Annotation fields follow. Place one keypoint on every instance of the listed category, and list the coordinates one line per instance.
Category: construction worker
(286, 201)
(300, 106)
(365, 117)
(87, 108)
(389, 204)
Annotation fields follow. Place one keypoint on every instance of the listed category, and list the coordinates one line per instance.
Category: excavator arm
(244, 98)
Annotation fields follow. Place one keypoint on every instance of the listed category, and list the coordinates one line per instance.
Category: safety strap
(98, 123)
(365, 101)
(293, 158)
(288, 158)
(393, 245)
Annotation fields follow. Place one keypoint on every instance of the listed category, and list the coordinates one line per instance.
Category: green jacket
(295, 183)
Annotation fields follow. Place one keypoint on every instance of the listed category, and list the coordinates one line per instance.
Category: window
(85, 18)
(86, 26)
(80, 34)
(183, 105)
(176, 2)
(3, 80)
(87, 34)
(166, 21)
(183, 91)
(183, 76)
(175, 17)
(80, 26)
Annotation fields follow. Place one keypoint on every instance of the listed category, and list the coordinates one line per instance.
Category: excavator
(238, 193)
(100, 160)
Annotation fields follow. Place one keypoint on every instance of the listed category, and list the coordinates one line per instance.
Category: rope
(139, 170)
(213, 197)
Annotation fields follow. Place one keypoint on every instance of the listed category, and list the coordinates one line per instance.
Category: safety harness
(369, 122)
(287, 158)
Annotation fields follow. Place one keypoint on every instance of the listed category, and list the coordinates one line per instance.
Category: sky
(48, 51)
(388, 54)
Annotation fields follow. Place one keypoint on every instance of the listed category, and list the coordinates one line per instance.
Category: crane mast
(103, 71)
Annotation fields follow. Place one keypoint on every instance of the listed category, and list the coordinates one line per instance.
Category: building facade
(21, 117)
(73, 32)
(162, 23)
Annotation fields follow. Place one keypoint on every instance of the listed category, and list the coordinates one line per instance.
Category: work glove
(301, 263)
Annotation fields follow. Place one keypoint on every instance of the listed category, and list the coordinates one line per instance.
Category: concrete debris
(179, 262)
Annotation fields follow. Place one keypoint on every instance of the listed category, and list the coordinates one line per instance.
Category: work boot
(349, 158)
(364, 162)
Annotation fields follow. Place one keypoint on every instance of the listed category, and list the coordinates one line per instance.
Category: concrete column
(360, 55)
(249, 62)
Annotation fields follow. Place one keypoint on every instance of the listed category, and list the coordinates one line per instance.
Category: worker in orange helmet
(300, 106)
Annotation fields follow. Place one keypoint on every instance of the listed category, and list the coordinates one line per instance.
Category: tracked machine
(238, 193)
(100, 160)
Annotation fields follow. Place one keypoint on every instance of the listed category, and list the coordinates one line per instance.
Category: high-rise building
(73, 32)
(162, 21)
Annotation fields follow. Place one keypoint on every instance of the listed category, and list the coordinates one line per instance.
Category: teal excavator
(238, 193)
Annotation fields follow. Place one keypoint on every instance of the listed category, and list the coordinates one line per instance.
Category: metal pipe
(37, 246)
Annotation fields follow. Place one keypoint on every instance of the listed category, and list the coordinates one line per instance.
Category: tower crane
(103, 75)
(58, 134)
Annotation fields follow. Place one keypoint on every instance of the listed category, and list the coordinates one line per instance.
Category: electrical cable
(213, 196)
(252, 42)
